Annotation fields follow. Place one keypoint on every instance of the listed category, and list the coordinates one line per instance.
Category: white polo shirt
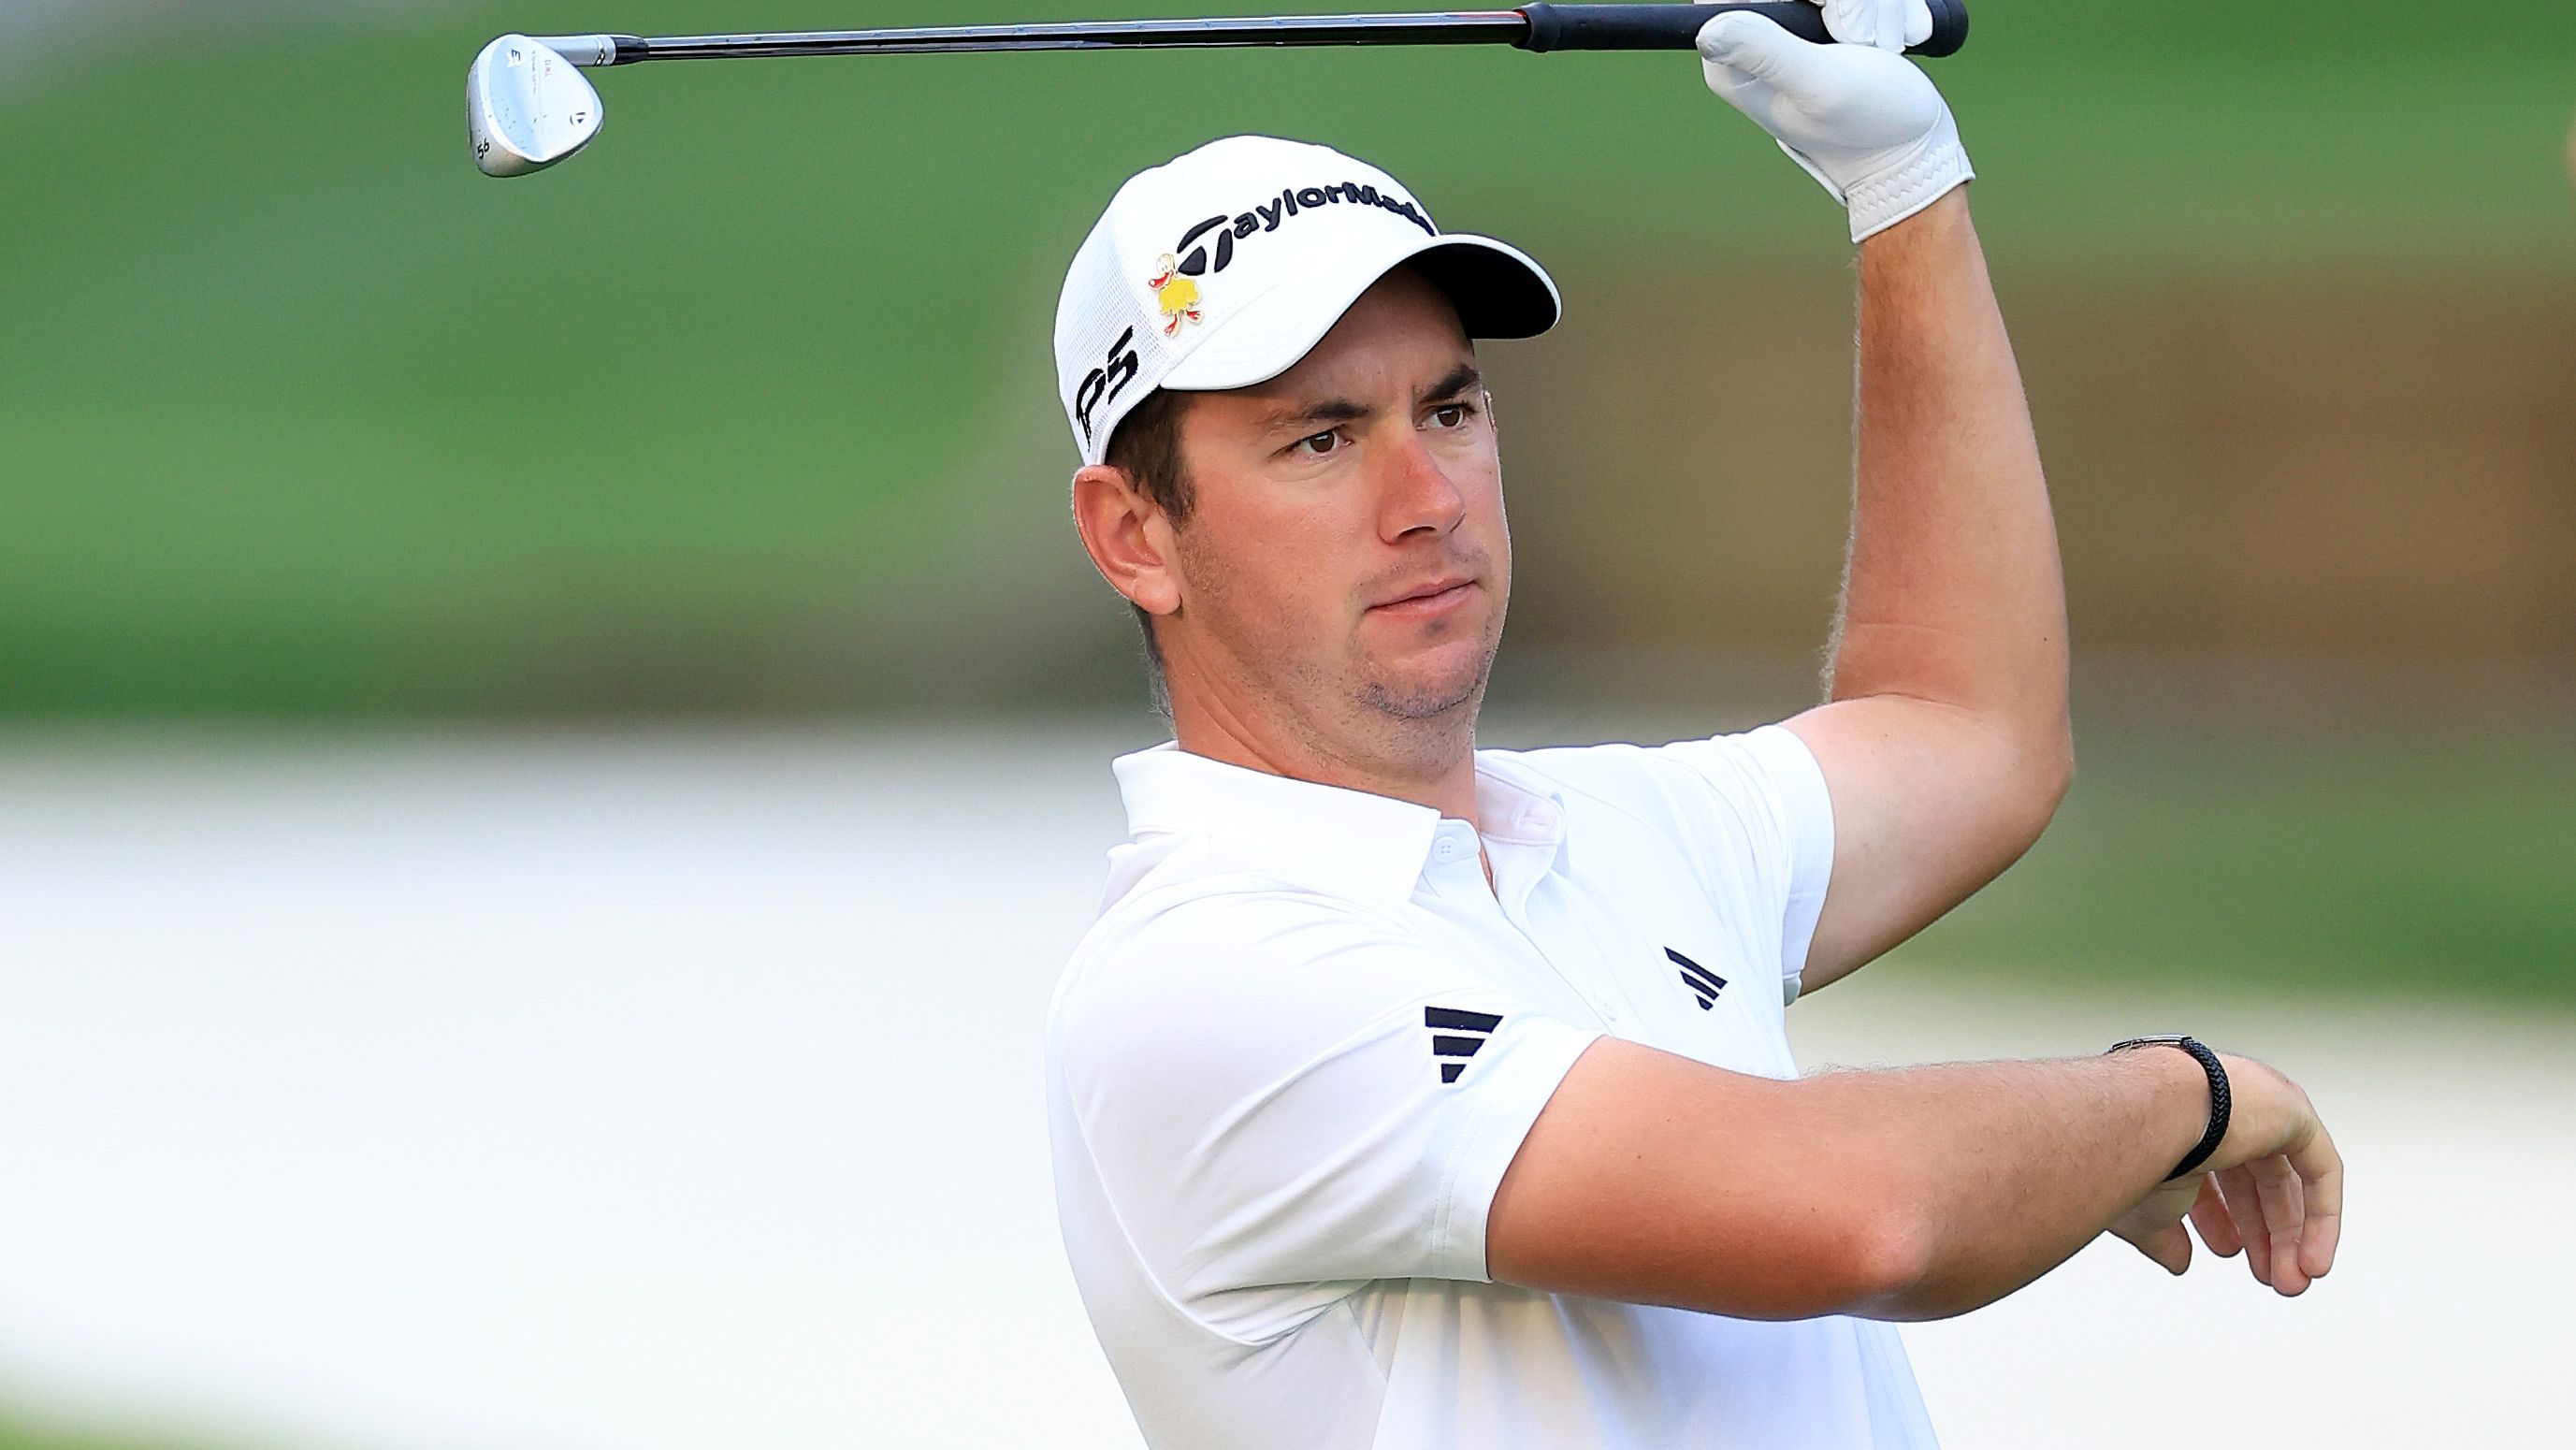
(1290, 1063)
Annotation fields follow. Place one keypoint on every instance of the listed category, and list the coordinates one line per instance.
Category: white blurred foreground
(560, 1092)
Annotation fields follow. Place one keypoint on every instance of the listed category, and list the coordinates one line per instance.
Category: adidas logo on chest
(1704, 985)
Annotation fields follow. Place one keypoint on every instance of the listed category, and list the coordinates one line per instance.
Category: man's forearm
(2012, 1167)
(1909, 1194)
(1954, 593)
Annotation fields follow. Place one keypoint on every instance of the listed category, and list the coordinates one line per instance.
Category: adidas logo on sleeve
(1456, 1035)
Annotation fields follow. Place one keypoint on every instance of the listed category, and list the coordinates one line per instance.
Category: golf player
(1411, 1095)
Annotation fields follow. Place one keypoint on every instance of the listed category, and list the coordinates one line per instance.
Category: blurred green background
(747, 411)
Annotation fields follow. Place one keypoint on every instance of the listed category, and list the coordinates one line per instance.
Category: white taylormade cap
(1223, 268)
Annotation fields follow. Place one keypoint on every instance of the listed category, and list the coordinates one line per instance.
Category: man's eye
(1453, 415)
(1317, 446)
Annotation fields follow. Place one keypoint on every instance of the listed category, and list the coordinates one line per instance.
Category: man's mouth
(1431, 597)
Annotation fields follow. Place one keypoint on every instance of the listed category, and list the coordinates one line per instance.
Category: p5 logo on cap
(1107, 381)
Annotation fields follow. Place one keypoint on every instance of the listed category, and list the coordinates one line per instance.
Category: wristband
(2219, 1099)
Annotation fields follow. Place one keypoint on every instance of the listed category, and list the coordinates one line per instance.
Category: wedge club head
(527, 107)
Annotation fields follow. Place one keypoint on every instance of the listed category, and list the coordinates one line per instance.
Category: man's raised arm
(1945, 744)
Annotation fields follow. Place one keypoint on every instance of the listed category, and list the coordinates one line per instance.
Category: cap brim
(1498, 291)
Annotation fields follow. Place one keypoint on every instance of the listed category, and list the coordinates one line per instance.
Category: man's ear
(1128, 536)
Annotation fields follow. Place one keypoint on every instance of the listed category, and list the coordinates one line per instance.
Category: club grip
(1676, 27)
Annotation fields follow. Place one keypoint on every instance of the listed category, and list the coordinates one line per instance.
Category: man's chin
(1429, 693)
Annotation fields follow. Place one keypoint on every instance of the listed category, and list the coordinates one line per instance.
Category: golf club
(528, 106)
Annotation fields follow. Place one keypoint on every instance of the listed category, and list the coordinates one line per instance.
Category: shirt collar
(1375, 842)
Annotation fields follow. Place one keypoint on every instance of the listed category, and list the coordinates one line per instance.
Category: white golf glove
(1859, 116)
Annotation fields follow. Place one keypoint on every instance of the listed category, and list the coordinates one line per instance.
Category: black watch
(2218, 1094)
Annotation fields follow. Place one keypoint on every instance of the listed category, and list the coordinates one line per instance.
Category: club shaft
(1435, 28)
(1534, 27)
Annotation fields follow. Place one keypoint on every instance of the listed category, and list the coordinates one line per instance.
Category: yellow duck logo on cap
(1179, 294)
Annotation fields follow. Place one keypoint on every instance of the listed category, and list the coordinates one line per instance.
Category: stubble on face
(1452, 693)
(1262, 638)
(1339, 699)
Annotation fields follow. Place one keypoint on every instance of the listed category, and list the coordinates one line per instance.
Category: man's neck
(1439, 770)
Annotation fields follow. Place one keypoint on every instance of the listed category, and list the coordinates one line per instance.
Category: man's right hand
(2272, 1190)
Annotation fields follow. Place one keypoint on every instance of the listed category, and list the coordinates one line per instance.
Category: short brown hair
(1146, 446)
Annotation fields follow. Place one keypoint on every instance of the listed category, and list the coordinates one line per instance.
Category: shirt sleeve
(1286, 1098)
(1765, 823)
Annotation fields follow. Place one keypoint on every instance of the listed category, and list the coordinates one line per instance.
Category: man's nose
(1415, 493)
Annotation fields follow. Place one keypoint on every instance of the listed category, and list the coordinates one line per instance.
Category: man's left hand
(1862, 119)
